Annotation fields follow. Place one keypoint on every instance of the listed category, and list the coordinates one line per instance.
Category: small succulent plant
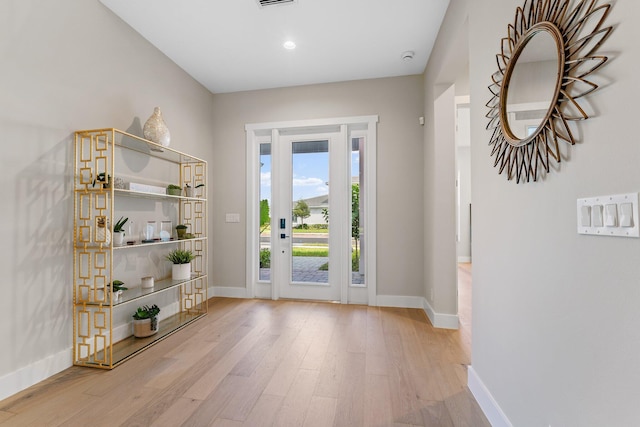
(118, 227)
(146, 312)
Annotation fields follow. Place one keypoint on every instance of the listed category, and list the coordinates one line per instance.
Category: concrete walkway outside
(306, 269)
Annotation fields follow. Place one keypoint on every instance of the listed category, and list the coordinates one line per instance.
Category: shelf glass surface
(137, 292)
(130, 346)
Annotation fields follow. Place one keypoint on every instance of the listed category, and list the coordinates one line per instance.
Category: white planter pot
(118, 238)
(116, 296)
(181, 271)
(145, 327)
(147, 282)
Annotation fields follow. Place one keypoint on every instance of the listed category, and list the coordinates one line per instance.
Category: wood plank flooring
(273, 363)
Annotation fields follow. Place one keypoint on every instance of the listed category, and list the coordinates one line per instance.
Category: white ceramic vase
(103, 235)
(181, 271)
(156, 130)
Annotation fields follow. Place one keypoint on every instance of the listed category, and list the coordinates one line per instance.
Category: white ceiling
(235, 45)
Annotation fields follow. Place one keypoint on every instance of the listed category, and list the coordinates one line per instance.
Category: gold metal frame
(524, 158)
(93, 306)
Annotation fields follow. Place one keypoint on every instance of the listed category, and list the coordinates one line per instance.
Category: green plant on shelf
(146, 312)
(174, 190)
(118, 285)
(119, 225)
(181, 229)
(180, 256)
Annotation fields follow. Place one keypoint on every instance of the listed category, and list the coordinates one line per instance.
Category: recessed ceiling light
(289, 45)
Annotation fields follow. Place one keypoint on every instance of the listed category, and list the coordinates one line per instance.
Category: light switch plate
(232, 217)
(610, 215)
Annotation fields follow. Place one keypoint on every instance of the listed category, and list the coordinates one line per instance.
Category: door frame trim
(261, 132)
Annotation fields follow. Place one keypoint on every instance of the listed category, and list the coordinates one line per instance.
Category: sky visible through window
(310, 175)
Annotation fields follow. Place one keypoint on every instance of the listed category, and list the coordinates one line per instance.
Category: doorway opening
(463, 179)
(310, 203)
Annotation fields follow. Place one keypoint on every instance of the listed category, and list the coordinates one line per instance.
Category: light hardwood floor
(273, 363)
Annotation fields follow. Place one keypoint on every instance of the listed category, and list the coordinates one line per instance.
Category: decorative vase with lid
(156, 130)
(103, 235)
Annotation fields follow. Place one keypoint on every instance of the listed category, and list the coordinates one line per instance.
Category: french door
(308, 213)
(309, 258)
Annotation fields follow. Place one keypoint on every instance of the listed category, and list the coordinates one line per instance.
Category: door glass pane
(264, 200)
(357, 213)
(310, 212)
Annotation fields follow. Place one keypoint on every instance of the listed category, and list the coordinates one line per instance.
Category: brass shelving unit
(96, 203)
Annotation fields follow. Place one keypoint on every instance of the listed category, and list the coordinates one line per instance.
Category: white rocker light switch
(626, 215)
(585, 216)
(596, 216)
(611, 215)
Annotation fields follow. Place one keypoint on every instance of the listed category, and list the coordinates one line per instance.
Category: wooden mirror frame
(578, 33)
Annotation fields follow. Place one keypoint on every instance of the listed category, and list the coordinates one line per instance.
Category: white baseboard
(29, 375)
(487, 403)
(399, 301)
(438, 320)
(262, 291)
(227, 291)
(464, 259)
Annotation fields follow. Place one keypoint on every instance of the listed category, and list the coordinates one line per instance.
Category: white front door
(307, 211)
(310, 210)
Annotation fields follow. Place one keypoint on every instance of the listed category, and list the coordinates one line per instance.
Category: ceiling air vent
(265, 3)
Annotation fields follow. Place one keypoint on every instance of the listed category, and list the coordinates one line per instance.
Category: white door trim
(267, 132)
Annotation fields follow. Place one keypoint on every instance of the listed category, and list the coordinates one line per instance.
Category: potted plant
(174, 190)
(189, 191)
(117, 288)
(103, 178)
(118, 231)
(181, 229)
(145, 321)
(181, 260)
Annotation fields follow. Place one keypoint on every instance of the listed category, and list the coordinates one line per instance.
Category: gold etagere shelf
(95, 342)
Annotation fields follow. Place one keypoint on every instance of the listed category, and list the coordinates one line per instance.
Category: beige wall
(397, 101)
(555, 314)
(447, 66)
(67, 65)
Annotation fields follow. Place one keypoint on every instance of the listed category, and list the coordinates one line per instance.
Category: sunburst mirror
(543, 70)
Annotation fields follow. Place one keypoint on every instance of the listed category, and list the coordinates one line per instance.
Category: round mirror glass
(532, 84)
